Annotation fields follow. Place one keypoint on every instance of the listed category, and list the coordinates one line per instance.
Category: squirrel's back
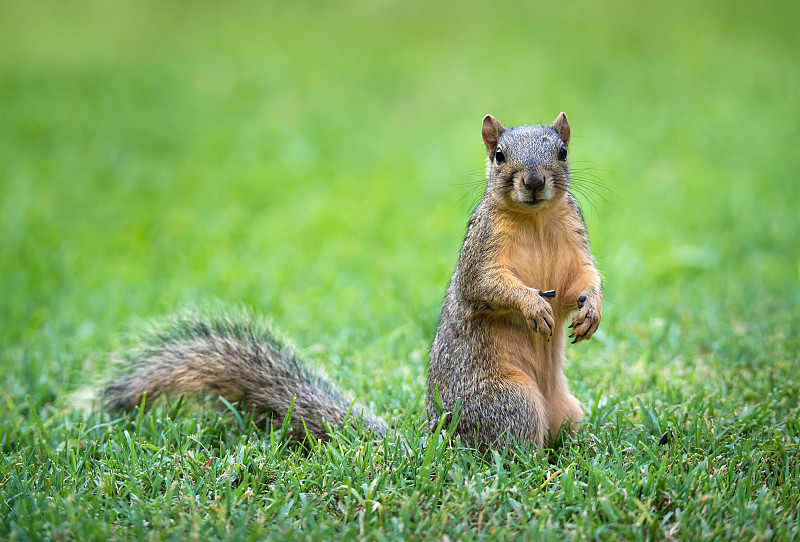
(238, 357)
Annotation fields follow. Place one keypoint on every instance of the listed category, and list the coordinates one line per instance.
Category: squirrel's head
(527, 165)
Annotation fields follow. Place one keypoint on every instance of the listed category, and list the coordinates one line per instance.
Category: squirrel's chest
(539, 259)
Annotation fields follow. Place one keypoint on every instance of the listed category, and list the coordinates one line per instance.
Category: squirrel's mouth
(532, 198)
(531, 201)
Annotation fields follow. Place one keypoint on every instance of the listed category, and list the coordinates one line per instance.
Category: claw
(550, 294)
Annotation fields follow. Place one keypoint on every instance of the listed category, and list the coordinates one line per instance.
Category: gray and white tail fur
(241, 358)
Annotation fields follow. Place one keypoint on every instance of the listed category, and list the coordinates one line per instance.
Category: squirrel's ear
(491, 131)
(561, 126)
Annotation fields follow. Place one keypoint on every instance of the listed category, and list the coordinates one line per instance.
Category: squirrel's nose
(533, 180)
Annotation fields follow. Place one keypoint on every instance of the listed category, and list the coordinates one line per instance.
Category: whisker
(585, 181)
(599, 191)
(588, 176)
(585, 188)
(589, 199)
(593, 166)
(589, 193)
(581, 199)
(475, 183)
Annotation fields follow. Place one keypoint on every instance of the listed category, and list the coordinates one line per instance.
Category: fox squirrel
(500, 345)
(499, 349)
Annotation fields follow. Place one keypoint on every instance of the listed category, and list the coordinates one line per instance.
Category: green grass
(318, 164)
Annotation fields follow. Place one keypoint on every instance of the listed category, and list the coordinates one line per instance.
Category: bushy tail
(241, 358)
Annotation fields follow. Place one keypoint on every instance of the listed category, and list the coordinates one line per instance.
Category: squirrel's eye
(562, 153)
(499, 157)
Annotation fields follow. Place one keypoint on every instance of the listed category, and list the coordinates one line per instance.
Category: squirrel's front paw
(587, 320)
(539, 314)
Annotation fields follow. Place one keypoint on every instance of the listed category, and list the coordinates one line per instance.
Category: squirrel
(524, 267)
(499, 349)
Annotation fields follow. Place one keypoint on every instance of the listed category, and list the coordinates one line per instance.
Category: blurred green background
(318, 162)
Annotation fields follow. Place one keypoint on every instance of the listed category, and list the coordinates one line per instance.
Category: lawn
(318, 164)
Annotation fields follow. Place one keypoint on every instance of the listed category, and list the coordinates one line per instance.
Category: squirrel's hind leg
(511, 411)
(565, 410)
